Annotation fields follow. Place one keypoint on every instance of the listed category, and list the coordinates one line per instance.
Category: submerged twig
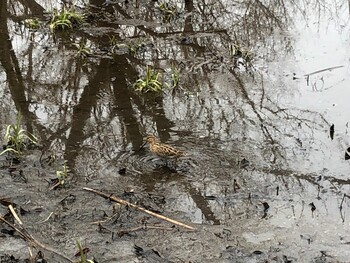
(341, 208)
(23, 233)
(321, 70)
(123, 202)
(342, 201)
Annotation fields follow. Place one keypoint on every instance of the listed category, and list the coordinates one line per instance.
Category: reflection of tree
(82, 113)
(123, 107)
(33, 7)
(13, 72)
(260, 18)
(255, 21)
(200, 39)
(203, 204)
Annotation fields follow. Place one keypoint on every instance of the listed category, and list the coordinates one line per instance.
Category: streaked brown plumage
(161, 149)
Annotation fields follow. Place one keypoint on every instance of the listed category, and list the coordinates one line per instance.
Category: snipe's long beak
(143, 145)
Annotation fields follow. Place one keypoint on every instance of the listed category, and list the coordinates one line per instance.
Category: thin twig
(43, 221)
(30, 253)
(55, 185)
(27, 237)
(121, 201)
(13, 212)
(106, 220)
(134, 229)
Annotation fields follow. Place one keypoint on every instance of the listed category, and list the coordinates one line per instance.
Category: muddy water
(262, 179)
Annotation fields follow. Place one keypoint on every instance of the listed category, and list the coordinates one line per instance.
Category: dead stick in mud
(23, 233)
(127, 231)
(123, 202)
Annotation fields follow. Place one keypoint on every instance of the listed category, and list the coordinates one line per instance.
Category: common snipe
(161, 149)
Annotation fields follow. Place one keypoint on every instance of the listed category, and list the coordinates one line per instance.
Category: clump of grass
(136, 47)
(175, 76)
(65, 19)
(82, 50)
(168, 11)
(16, 138)
(32, 23)
(150, 82)
(61, 176)
(113, 41)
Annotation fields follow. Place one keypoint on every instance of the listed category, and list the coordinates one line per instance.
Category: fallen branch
(123, 202)
(23, 233)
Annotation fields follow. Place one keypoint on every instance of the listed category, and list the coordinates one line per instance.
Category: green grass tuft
(16, 137)
(150, 82)
(65, 19)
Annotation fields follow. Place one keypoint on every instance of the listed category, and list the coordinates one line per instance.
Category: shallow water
(262, 179)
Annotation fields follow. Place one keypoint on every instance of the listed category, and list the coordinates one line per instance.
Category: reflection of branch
(269, 13)
(163, 34)
(33, 6)
(202, 204)
(260, 19)
(312, 178)
(252, 104)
